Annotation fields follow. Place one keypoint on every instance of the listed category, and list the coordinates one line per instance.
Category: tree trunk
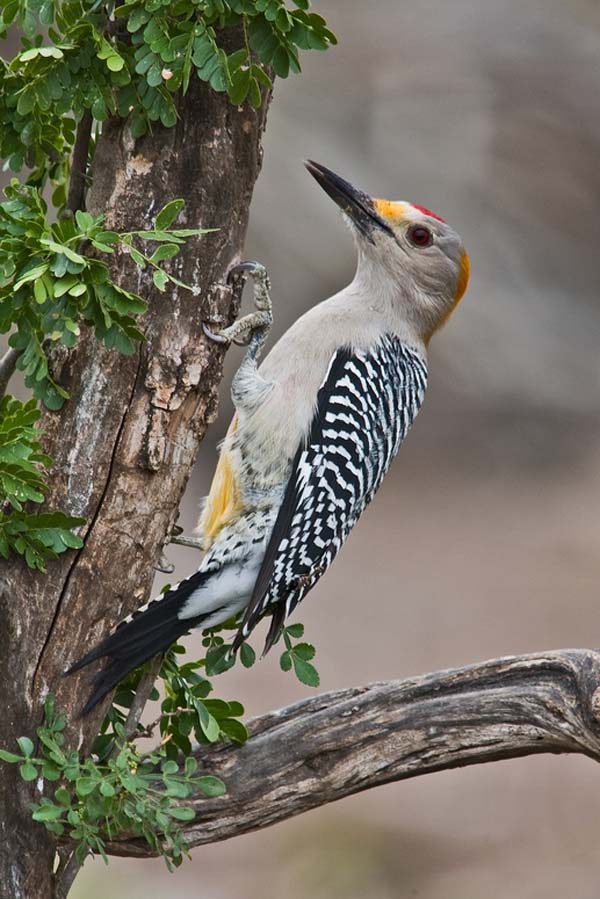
(125, 442)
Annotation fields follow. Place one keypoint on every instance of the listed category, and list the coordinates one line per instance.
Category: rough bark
(125, 443)
(336, 744)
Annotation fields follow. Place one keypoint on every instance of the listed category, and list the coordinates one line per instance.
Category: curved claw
(240, 267)
(164, 566)
(216, 338)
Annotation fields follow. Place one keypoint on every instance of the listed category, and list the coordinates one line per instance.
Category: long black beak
(358, 206)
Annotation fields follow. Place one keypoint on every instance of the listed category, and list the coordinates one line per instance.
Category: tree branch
(66, 874)
(142, 695)
(8, 363)
(79, 160)
(336, 744)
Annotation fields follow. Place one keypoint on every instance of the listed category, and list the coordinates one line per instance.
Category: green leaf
(30, 273)
(47, 812)
(168, 214)
(66, 251)
(210, 785)
(208, 724)
(28, 771)
(255, 95)
(115, 62)
(164, 251)
(177, 790)
(84, 220)
(63, 796)
(191, 766)
(50, 771)
(9, 756)
(85, 786)
(235, 730)
(304, 651)
(108, 237)
(247, 655)
(306, 673)
(45, 52)
(160, 279)
(182, 813)
(25, 745)
(285, 661)
(64, 284)
(39, 291)
(295, 630)
(137, 257)
(281, 62)
(240, 85)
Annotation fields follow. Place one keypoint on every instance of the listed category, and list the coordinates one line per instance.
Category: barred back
(365, 407)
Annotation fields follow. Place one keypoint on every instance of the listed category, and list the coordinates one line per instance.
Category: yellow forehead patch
(463, 277)
(392, 210)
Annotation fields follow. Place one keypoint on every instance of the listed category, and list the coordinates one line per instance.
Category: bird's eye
(420, 236)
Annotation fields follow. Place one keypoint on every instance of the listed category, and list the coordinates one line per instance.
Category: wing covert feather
(365, 408)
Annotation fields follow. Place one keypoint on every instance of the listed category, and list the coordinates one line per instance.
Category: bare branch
(8, 364)
(79, 161)
(66, 874)
(341, 743)
(142, 695)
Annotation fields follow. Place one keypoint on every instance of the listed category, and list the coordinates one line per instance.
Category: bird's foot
(177, 536)
(255, 325)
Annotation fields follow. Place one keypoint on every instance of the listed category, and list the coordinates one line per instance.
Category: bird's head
(405, 251)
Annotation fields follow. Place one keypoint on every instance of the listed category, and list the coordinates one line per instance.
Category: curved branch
(335, 744)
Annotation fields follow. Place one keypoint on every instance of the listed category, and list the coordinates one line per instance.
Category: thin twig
(148, 729)
(182, 540)
(79, 160)
(142, 694)
(8, 364)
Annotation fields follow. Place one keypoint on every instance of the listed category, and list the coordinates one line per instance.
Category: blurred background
(484, 539)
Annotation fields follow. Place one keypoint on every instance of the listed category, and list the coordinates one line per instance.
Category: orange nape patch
(392, 210)
(463, 277)
(223, 501)
(461, 287)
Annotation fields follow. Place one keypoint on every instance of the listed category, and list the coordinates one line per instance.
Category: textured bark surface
(336, 744)
(125, 443)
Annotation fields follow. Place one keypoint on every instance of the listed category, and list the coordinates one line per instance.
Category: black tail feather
(148, 633)
(122, 663)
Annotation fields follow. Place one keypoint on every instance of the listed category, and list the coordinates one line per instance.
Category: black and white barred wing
(365, 407)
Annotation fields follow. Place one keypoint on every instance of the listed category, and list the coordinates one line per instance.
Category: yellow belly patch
(224, 501)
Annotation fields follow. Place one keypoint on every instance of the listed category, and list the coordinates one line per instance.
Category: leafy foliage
(297, 656)
(122, 789)
(186, 710)
(136, 56)
(49, 282)
(22, 467)
(95, 800)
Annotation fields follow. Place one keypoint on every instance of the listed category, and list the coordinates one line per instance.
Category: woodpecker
(315, 429)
